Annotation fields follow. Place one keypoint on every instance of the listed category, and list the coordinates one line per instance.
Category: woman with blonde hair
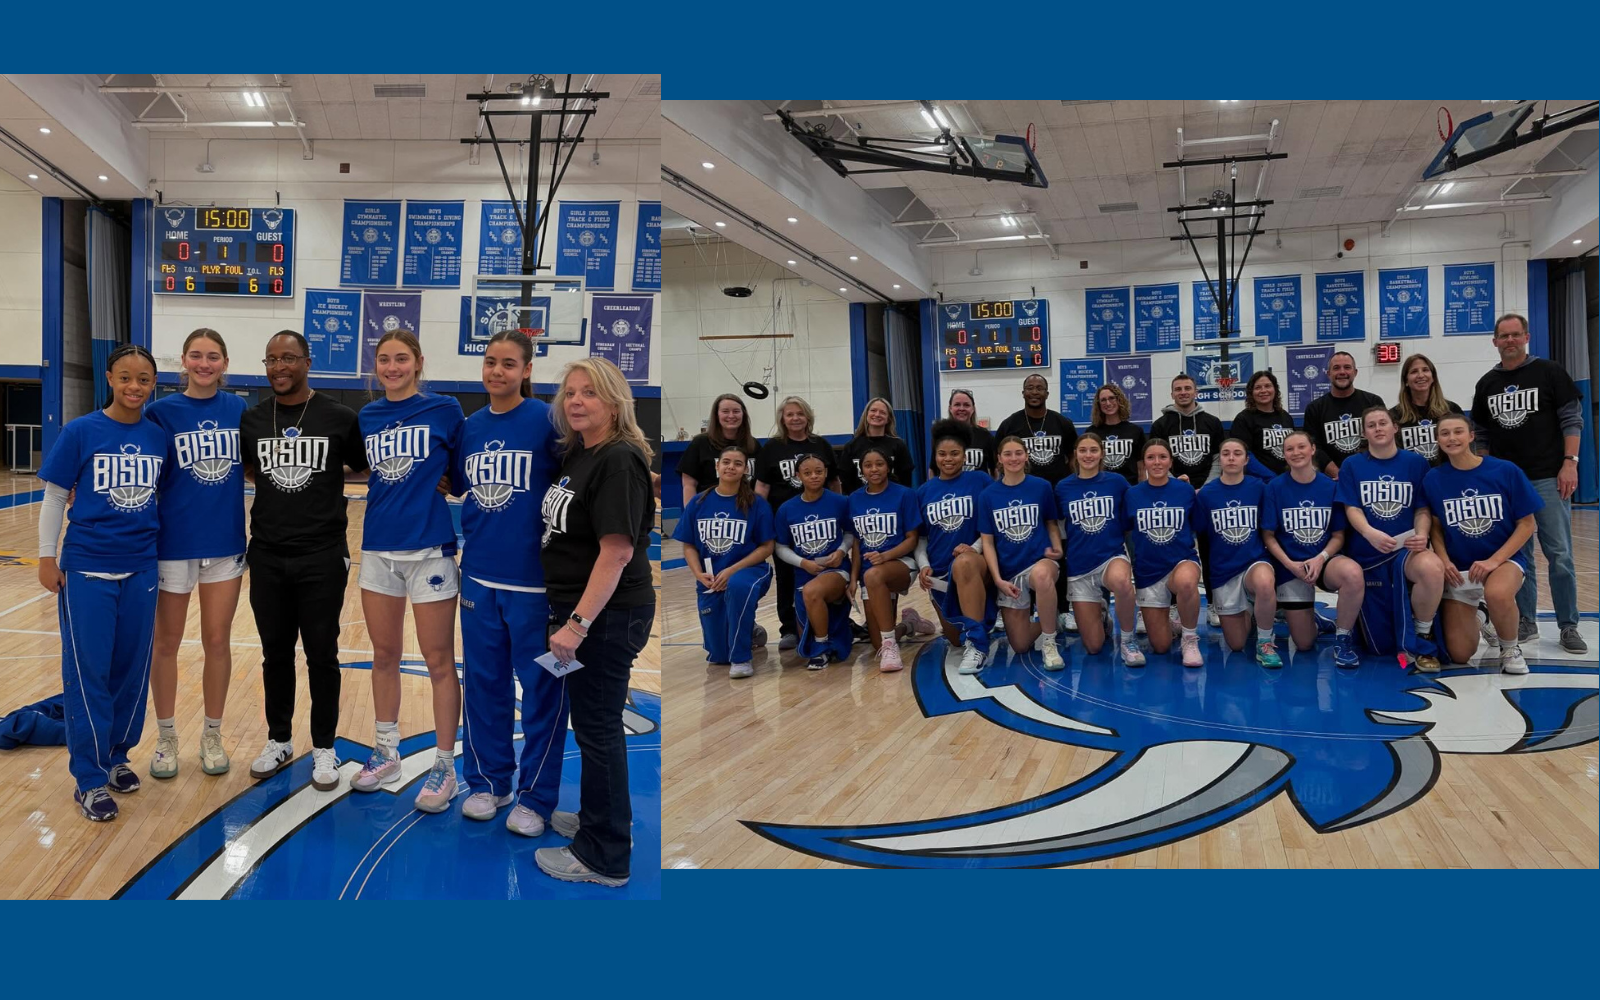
(1420, 408)
(1121, 440)
(777, 467)
(876, 430)
(598, 516)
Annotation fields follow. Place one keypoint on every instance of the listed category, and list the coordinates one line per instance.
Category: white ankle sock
(1341, 631)
(1128, 636)
(1188, 632)
(213, 725)
(445, 757)
(1421, 627)
(1263, 635)
(887, 637)
(167, 727)
(389, 737)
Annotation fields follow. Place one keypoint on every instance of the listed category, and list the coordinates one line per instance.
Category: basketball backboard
(549, 308)
(1482, 134)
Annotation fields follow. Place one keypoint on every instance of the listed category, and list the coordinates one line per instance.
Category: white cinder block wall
(21, 273)
(814, 363)
(257, 173)
(1011, 273)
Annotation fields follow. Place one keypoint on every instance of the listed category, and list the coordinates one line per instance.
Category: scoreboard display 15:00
(224, 251)
(990, 335)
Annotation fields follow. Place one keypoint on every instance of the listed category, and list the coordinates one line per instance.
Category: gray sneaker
(1527, 629)
(564, 823)
(1571, 641)
(560, 863)
(758, 637)
(788, 640)
(525, 821)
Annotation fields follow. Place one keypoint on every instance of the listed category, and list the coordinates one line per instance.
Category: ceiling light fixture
(841, 291)
(927, 117)
(792, 263)
(709, 165)
(1574, 242)
(33, 177)
(722, 225)
(793, 219)
(104, 177)
(897, 288)
(1445, 187)
(854, 257)
(43, 130)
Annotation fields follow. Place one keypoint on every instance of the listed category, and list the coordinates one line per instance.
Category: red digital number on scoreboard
(1388, 354)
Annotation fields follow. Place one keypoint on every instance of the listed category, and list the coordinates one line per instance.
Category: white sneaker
(1212, 618)
(741, 670)
(889, 658)
(324, 769)
(213, 758)
(1051, 656)
(1173, 619)
(483, 805)
(971, 659)
(525, 821)
(274, 757)
(1511, 661)
(164, 763)
(1067, 621)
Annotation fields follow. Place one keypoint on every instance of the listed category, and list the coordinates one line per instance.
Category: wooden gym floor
(1228, 766)
(47, 850)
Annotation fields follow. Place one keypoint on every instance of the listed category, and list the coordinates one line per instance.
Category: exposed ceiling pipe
(857, 109)
(206, 89)
(305, 144)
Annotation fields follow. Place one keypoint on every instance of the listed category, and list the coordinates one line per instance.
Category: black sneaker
(96, 804)
(1571, 641)
(858, 634)
(817, 662)
(122, 780)
(1527, 629)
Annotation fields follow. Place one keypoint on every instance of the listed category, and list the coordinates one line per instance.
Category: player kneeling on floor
(1381, 490)
(813, 536)
(1159, 513)
(1090, 503)
(1228, 511)
(1021, 544)
(950, 564)
(727, 537)
(1303, 528)
(1483, 513)
(885, 517)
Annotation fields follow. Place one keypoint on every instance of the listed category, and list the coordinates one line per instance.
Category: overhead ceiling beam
(207, 89)
(969, 218)
(854, 109)
(181, 123)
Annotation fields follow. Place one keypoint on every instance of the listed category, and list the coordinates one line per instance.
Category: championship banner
(1156, 323)
(433, 244)
(587, 241)
(1106, 320)
(1342, 306)
(500, 237)
(647, 248)
(1080, 380)
(1207, 320)
(1468, 299)
(371, 242)
(332, 323)
(1305, 376)
(1403, 302)
(1132, 376)
(619, 328)
(385, 312)
(1278, 309)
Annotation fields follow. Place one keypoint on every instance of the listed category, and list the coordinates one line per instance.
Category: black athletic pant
(599, 692)
(299, 596)
(786, 616)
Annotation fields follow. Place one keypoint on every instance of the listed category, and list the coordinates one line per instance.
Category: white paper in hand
(556, 667)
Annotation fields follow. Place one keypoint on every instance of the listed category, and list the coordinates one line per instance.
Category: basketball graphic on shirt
(1017, 520)
(1190, 446)
(557, 499)
(1091, 512)
(1474, 514)
(1235, 522)
(216, 468)
(127, 478)
(1387, 497)
(814, 535)
(1159, 522)
(393, 451)
(720, 533)
(290, 460)
(497, 474)
(1307, 522)
(949, 512)
(1512, 406)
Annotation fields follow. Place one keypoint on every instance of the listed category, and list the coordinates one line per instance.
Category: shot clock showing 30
(225, 251)
(988, 335)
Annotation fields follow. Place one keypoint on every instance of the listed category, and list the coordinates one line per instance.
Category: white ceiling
(340, 106)
(1107, 152)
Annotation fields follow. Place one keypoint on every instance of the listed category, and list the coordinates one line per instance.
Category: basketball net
(531, 332)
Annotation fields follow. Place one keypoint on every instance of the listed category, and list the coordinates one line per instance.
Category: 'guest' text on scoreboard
(225, 251)
(987, 335)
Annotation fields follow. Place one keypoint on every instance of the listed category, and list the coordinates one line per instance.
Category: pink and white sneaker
(916, 624)
(380, 769)
(439, 787)
(889, 658)
(1191, 651)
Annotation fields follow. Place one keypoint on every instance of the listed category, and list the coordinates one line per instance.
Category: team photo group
(552, 557)
(1404, 527)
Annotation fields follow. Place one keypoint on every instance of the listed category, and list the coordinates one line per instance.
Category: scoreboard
(990, 335)
(225, 251)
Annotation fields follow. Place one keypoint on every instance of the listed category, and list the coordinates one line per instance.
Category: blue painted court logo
(1196, 749)
(283, 839)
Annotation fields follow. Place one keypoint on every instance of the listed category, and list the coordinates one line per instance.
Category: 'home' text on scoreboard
(986, 335)
(225, 251)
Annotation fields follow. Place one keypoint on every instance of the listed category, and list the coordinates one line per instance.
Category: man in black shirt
(1050, 437)
(296, 446)
(1334, 419)
(1527, 411)
(1193, 435)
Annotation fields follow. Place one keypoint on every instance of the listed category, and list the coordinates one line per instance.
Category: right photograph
(1135, 484)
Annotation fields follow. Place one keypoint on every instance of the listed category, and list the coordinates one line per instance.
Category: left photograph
(329, 521)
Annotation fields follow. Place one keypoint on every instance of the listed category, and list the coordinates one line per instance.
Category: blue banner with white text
(1403, 302)
(332, 330)
(1468, 299)
(433, 244)
(619, 330)
(647, 248)
(1278, 309)
(370, 256)
(1156, 323)
(1132, 376)
(1207, 322)
(1106, 320)
(385, 312)
(587, 242)
(500, 237)
(1342, 306)
(1080, 380)
(1305, 376)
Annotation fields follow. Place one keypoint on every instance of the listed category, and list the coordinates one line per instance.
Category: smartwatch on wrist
(580, 621)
